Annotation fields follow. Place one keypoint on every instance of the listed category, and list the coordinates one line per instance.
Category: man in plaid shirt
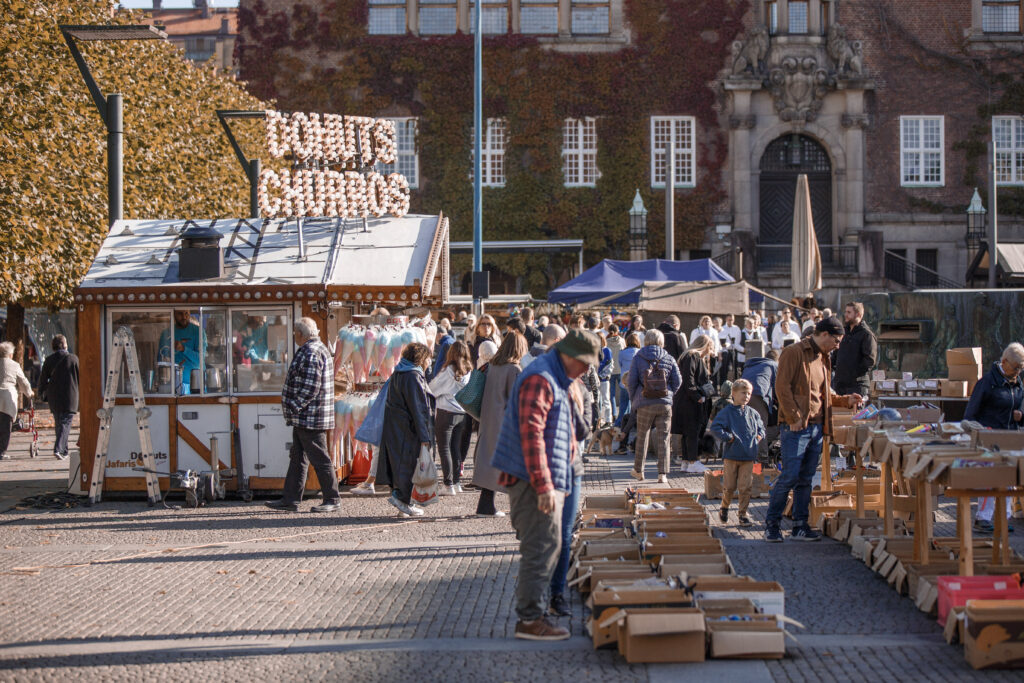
(307, 402)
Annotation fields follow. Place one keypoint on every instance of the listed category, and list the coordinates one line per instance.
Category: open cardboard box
(994, 634)
(953, 388)
(964, 355)
(767, 596)
(616, 502)
(695, 565)
(607, 600)
(662, 635)
(756, 637)
(725, 607)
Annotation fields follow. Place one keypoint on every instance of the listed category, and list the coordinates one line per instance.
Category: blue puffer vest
(508, 455)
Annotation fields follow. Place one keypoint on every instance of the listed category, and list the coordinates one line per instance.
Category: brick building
(202, 32)
(887, 105)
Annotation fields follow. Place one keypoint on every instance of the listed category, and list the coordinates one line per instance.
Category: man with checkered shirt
(307, 403)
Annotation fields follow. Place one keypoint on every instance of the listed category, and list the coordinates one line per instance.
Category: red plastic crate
(955, 591)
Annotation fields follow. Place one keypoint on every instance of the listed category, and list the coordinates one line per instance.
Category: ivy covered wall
(319, 57)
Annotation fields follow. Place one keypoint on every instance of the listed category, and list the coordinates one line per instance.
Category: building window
(200, 49)
(408, 162)
(677, 131)
(771, 16)
(387, 17)
(579, 152)
(798, 16)
(493, 154)
(438, 17)
(590, 17)
(1008, 133)
(495, 17)
(921, 145)
(1002, 16)
(539, 17)
(927, 267)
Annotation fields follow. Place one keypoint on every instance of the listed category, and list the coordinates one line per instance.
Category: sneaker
(443, 490)
(458, 488)
(745, 520)
(363, 489)
(805, 533)
(325, 507)
(496, 513)
(723, 515)
(636, 475)
(772, 534)
(283, 505)
(662, 478)
(684, 466)
(61, 456)
(559, 606)
(540, 629)
(697, 467)
(402, 507)
(983, 526)
(415, 510)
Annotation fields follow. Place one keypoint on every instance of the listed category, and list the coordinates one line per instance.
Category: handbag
(471, 396)
(424, 478)
(708, 389)
(372, 429)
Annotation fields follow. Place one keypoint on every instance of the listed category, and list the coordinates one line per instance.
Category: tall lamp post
(638, 229)
(109, 107)
(481, 284)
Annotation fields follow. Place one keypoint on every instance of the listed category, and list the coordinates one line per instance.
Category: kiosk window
(148, 328)
(260, 349)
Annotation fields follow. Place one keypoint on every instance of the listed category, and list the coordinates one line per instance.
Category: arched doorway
(784, 159)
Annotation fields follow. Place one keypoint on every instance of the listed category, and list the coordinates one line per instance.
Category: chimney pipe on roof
(203, 5)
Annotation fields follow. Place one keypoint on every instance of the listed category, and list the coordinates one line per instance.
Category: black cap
(830, 325)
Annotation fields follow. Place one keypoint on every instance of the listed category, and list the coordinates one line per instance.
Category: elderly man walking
(307, 402)
(536, 448)
(58, 384)
(805, 415)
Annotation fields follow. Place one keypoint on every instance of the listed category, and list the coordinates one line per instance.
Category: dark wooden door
(785, 159)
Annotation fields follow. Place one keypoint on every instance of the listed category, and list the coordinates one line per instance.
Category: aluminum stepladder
(123, 346)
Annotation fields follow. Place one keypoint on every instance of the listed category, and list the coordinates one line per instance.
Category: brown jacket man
(799, 365)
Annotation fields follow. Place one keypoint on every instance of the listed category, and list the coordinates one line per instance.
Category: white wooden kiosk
(273, 272)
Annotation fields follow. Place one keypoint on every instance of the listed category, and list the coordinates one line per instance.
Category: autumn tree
(53, 178)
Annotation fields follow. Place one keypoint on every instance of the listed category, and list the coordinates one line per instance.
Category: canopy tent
(623, 280)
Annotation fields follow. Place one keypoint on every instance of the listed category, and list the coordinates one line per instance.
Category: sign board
(695, 297)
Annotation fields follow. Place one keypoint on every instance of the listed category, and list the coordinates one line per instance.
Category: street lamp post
(109, 107)
(638, 229)
(481, 283)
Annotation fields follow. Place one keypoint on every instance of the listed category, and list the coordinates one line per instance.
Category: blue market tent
(609, 278)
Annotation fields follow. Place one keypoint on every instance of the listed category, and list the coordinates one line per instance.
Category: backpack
(655, 381)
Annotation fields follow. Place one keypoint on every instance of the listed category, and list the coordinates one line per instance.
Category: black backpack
(655, 381)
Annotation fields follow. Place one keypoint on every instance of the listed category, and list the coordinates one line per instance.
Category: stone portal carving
(749, 53)
(844, 53)
(798, 87)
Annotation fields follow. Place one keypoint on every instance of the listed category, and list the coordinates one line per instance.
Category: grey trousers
(656, 418)
(309, 447)
(540, 541)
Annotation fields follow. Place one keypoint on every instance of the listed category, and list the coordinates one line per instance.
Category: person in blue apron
(187, 341)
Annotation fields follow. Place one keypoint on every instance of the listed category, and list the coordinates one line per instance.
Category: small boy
(740, 428)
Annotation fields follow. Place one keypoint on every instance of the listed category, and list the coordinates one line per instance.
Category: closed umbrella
(806, 265)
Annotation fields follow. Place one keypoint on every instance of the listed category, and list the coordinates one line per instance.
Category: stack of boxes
(965, 370)
(660, 588)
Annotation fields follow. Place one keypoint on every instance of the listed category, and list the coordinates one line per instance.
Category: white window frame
(658, 156)
(1015, 151)
(581, 152)
(493, 145)
(405, 151)
(920, 150)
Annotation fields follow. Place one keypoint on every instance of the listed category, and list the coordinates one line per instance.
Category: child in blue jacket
(740, 428)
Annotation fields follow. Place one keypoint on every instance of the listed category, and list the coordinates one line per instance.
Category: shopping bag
(424, 479)
(373, 424)
(471, 396)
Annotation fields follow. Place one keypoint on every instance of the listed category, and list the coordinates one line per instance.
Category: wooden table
(1000, 542)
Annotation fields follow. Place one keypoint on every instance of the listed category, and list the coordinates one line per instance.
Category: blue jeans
(569, 509)
(615, 395)
(623, 406)
(801, 452)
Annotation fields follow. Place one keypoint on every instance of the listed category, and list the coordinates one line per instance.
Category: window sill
(911, 186)
(576, 185)
(678, 186)
(997, 41)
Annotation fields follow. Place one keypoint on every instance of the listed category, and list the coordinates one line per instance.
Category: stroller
(26, 422)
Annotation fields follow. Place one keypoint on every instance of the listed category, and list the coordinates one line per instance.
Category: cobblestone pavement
(123, 591)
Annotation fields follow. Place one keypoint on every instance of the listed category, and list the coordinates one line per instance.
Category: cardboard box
(606, 601)
(953, 388)
(727, 607)
(759, 637)
(767, 596)
(605, 502)
(969, 373)
(955, 591)
(966, 355)
(994, 634)
(662, 635)
(990, 474)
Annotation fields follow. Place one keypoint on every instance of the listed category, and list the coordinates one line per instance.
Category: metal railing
(901, 271)
(839, 258)
(728, 262)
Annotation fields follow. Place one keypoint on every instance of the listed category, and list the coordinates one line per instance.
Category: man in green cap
(536, 448)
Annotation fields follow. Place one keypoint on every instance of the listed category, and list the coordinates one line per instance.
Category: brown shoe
(540, 629)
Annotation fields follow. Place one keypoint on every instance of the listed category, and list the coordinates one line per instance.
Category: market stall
(211, 305)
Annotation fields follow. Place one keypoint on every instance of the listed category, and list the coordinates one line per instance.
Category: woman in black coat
(408, 425)
(691, 405)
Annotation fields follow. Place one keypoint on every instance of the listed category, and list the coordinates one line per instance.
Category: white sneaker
(363, 489)
(498, 513)
(697, 467)
(415, 510)
(636, 475)
(684, 466)
(458, 488)
(403, 508)
(662, 478)
(443, 490)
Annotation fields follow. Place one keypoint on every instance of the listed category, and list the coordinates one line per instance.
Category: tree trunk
(16, 330)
